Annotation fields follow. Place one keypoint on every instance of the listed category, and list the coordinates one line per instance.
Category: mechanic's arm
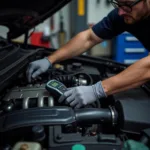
(135, 75)
(76, 46)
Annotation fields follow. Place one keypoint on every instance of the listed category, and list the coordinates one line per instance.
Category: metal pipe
(25, 103)
(40, 102)
(50, 101)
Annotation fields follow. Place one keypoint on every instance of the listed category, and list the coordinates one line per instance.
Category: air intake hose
(96, 116)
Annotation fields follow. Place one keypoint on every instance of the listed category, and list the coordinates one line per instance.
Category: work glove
(80, 96)
(37, 67)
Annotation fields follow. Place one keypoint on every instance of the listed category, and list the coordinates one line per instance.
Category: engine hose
(96, 116)
(87, 77)
(68, 80)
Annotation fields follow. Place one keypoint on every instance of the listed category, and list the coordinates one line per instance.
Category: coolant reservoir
(27, 146)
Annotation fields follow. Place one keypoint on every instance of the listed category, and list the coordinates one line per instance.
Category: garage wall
(66, 16)
(97, 10)
(43, 25)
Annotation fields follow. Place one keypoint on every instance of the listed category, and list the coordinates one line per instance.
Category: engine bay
(30, 115)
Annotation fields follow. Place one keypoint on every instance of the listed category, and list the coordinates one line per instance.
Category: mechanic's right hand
(37, 67)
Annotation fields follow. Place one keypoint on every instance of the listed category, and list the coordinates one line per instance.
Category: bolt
(59, 136)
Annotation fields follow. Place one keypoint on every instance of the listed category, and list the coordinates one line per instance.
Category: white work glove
(37, 67)
(83, 95)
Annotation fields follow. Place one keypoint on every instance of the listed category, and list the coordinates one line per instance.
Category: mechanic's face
(139, 11)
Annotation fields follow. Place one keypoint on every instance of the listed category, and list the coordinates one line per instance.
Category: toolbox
(128, 49)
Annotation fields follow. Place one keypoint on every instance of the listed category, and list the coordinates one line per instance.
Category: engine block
(29, 93)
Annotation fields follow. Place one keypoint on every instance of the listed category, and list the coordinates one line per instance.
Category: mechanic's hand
(83, 95)
(37, 67)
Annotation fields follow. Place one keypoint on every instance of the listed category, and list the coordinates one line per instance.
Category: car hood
(22, 15)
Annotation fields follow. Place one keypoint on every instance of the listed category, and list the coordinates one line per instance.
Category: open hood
(22, 15)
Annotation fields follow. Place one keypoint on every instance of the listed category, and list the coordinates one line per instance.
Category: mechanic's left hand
(83, 95)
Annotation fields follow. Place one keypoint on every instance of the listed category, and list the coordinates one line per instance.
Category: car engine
(30, 116)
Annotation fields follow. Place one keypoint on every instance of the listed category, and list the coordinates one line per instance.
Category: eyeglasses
(123, 5)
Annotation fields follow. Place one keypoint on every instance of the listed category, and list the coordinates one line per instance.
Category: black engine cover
(37, 116)
(133, 115)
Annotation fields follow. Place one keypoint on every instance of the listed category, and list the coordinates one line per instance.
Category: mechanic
(129, 15)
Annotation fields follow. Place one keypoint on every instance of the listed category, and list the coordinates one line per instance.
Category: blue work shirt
(113, 25)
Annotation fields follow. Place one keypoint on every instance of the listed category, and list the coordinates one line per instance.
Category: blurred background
(78, 16)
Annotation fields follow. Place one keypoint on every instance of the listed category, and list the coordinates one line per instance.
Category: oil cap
(77, 66)
(78, 147)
